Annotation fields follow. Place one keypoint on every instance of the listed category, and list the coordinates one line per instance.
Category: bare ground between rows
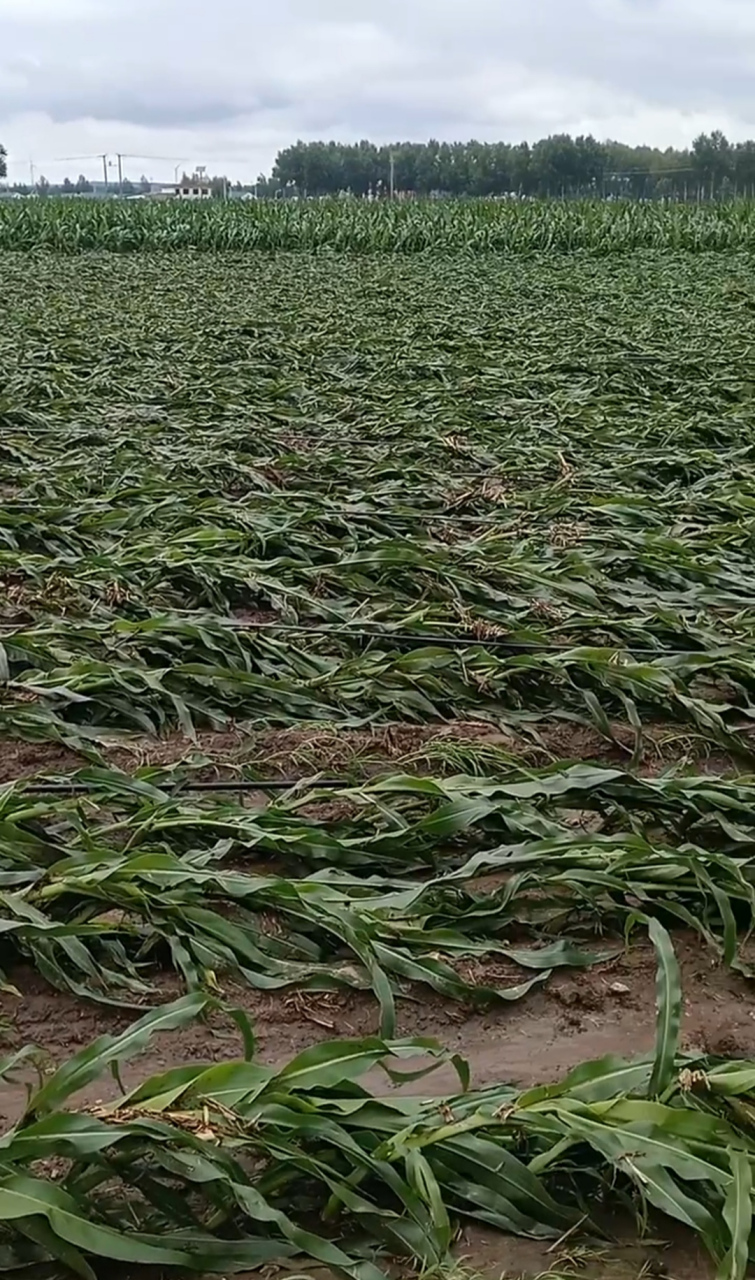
(577, 1016)
(609, 1009)
(666, 1252)
(305, 751)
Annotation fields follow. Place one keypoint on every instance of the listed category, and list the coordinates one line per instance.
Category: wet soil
(609, 1009)
(299, 753)
(577, 1016)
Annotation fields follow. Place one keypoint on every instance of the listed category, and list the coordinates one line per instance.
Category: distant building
(197, 187)
(162, 193)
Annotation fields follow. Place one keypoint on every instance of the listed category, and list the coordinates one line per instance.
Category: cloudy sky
(229, 82)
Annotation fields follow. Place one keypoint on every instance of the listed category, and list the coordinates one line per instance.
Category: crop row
(74, 226)
(74, 685)
(101, 891)
(226, 1166)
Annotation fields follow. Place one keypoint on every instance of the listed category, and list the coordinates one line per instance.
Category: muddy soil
(299, 753)
(577, 1016)
(673, 1255)
(609, 1009)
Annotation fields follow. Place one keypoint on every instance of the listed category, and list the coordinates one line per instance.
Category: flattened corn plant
(224, 1167)
(497, 449)
(74, 682)
(351, 489)
(478, 889)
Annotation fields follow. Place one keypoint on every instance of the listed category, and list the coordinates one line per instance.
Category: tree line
(83, 186)
(559, 165)
(219, 186)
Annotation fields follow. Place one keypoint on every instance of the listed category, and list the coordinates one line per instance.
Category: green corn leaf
(668, 1006)
(738, 1218)
(91, 1062)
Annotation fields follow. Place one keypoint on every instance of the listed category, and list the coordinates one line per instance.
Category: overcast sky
(227, 83)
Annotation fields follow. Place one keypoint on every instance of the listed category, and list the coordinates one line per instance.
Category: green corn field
(377, 662)
(355, 226)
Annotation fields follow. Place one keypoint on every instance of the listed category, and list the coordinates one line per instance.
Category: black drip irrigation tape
(74, 788)
(325, 434)
(342, 513)
(416, 639)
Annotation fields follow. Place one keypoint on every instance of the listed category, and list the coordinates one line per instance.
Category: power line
(650, 173)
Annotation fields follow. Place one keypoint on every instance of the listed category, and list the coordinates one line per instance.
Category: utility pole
(32, 174)
(120, 174)
(104, 170)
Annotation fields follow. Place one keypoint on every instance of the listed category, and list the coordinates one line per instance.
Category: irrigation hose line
(177, 788)
(373, 443)
(413, 517)
(484, 471)
(343, 513)
(442, 640)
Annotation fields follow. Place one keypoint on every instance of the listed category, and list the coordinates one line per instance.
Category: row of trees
(556, 166)
(83, 186)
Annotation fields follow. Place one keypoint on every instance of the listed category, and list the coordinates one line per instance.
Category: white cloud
(33, 11)
(229, 82)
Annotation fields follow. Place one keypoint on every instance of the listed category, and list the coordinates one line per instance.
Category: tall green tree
(713, 159)
(559, 165)
(743, 162)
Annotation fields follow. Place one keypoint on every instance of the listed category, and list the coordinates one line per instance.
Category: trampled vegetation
(338, 924)
(215, 1166)
(501, 504)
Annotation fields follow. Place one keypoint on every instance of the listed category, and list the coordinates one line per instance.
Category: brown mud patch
(577, 1016)
(670, 1253)
(456, 747)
